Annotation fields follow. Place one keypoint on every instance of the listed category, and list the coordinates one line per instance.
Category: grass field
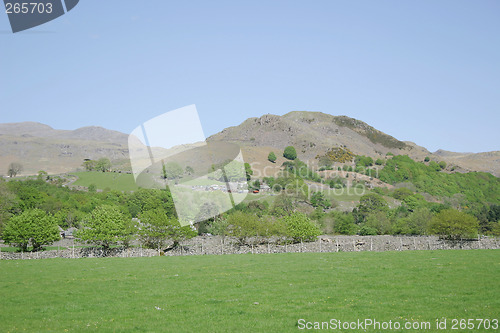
(247, 293)
(102, 180)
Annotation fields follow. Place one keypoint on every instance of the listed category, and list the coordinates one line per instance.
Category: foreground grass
(220, 293)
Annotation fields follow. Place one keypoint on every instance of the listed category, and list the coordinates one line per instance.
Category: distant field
(247, 293)
(102, 180)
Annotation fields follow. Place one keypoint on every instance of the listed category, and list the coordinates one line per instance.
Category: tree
(189, 170)
(379, 161)
(103, 164)
(370, 203)
(427, 159)
(453, 224)
(34, 227)
(89, 165)
(300, 228)
(290, 153)
(442, 164)
(243, 226)
(172, 170)
(318, 200)
(157, 227)
(248, 171)
(271, 157)
(105, 226)
(14, 169)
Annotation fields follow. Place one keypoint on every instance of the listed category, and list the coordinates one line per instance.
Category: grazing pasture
(247, 293)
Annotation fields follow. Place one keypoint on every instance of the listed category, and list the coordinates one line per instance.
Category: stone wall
(212, 245)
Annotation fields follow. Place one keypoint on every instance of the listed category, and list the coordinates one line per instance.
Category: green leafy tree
(219, 227)
(89, 165)
(243, 225)
(442, 164)
(34, 227)
(453, 224)
(300, 228)
(379, 161)
(103, 164)
(248, 171)
(105, 226)
(290, 153)
(370, 203)
(153, 228)
(157, 228)
(427, 159)
(272, 157)
(318, 199)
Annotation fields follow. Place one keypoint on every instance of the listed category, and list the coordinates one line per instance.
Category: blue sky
(424, 71)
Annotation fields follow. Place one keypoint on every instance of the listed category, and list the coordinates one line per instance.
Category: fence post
(337, 244)
(320, 246)
(401, 244)
(268, 250)
(371, 243)
(221, 247)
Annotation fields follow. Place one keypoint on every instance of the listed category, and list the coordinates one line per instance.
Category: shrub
(344, 224)
(454, 224)
(367, 231)
(271, 157)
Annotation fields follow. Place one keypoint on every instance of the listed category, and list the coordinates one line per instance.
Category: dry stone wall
(213, 245)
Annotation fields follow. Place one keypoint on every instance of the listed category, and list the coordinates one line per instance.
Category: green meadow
(103, 180)
(247, 293)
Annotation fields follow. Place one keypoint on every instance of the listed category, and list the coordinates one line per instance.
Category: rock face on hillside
(313, 133)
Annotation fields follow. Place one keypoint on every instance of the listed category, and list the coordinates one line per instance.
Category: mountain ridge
(40, 147)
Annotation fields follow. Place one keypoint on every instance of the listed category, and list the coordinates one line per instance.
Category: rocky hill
(40, 147)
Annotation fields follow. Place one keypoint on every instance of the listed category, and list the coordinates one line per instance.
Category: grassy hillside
(246, 293)
(102, 180)
(476, 186)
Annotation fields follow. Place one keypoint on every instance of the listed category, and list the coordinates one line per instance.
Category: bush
(290, 153)
(271, 157)
(344, 224)
(367, 231)
(34, 227)
(300, 228)
(454, 224)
